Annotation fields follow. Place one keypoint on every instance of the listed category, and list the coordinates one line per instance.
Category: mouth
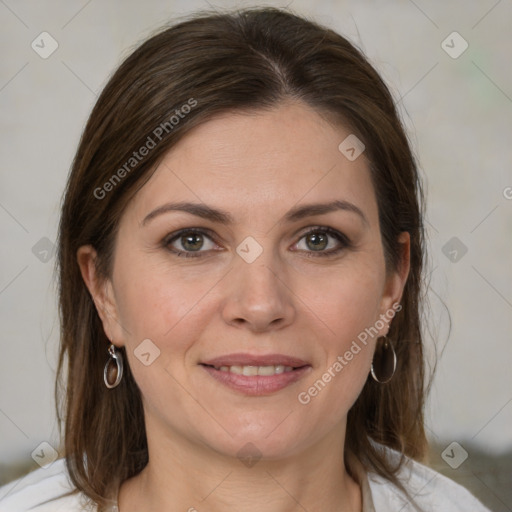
(251, 371)
(256, 375)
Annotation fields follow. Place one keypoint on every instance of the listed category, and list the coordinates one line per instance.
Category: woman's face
(254, 282)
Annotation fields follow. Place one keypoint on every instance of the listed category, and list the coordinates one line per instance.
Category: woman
(241, 248)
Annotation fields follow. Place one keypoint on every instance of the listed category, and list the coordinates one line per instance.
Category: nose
(258, 297)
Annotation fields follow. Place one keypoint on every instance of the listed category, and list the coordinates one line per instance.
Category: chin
(269, 440)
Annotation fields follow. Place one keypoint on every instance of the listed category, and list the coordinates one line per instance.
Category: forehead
(259, 165)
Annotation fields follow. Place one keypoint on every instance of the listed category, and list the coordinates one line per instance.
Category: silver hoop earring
(384, 362)
(113, 371)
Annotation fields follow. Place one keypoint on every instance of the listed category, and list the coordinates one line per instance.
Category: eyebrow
(222, 217)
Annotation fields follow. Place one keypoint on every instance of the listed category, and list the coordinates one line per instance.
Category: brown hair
(244, 60)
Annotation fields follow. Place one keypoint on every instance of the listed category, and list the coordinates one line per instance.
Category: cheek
(347, 301)
(153, 300)
(349, 308)
(160, 305)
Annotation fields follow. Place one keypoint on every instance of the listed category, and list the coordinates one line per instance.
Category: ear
(396, 279)
(102, 293)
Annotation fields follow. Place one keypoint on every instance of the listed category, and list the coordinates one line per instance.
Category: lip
(243, 359)
(256, 385)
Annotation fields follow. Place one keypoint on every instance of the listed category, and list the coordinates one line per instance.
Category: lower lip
(257, 385)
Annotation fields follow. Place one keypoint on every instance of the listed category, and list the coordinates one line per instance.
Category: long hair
(180, 77)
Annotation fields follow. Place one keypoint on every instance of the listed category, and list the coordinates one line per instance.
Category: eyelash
(340, 237)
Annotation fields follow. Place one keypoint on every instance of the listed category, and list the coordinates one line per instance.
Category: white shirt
(431, 491)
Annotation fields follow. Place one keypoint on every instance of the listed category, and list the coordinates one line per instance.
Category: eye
(188, 243)
(191, 241)
(316, 240)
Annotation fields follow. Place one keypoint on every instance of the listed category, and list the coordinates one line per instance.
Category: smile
(250, 371)
(256, 379)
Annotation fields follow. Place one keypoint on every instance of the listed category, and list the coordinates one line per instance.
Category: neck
(182, 475)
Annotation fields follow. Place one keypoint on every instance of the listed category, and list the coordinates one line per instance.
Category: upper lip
(241, 359)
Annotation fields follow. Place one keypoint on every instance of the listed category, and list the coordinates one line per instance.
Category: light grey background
(459, 114)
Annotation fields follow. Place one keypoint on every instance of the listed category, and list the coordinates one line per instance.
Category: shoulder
(42, 490)
(431, 490)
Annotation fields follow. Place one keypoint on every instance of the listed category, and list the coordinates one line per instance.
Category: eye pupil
(192, 239)
(319, 241)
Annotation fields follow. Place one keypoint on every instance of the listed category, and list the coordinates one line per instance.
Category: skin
(290, 300)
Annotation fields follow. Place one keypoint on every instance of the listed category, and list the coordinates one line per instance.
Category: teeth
(266, 370)
(250, 371)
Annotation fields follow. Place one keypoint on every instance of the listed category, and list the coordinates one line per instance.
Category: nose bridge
(258, 295)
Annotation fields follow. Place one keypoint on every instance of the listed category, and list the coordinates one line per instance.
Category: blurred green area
(488, 477)
(9, 472)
